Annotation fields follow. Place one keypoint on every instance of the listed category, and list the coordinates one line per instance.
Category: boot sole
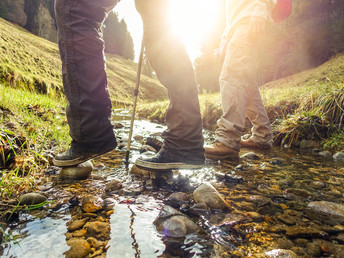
(73, 162)
(166, 166)
(222, 157)
(79, 160)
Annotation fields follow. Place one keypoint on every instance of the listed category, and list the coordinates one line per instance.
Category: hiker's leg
(83, 67)
(261, 129)
(168, 57)
(235, 80)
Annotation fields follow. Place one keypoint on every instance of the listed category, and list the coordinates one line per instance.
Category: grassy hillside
(32, 63)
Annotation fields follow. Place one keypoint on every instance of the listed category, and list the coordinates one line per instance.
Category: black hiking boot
(165, 160)
(74, 156)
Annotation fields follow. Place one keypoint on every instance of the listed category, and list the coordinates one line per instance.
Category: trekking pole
(136, 93)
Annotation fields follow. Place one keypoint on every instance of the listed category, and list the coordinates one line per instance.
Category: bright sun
(192, 20)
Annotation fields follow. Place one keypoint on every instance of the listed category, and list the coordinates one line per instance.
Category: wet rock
(91, 204)
(179, 196)
(308, 144)
(259, 200)
(339, 156)
(289, 220)
(325, 154)
(118, 125)
(280, 253)
(251, 156)
(340, 238)
(109, 204)
(77, 224)
(78, 248)
(176, 200)
(318, 184)
(298, 192)
(79, 172)
(206, 193)
(98, 230)
(95, 243)
(323, 248)
(135, 170)
(302, 242)
(234, 218)
(283, 243)
(236, 179)
(199, 209)
(255, 216)
(173, 223)
(138, 138)
(327, 212)
(305, 232)
(32, 198)
(114, 185)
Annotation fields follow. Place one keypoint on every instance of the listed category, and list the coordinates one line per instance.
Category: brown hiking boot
(249, 143)
(219, 151)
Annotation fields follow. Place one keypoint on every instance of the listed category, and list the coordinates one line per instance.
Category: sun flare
(192, 21)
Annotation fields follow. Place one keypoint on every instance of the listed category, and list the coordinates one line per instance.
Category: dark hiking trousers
(85, 82)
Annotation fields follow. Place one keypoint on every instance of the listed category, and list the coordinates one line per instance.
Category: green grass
(32, 63)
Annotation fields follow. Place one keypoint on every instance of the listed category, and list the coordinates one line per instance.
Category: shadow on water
(269, 192)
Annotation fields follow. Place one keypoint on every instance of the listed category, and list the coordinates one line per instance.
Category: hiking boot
(219, 151)
(250, 143)
(74, 156)
(165, 160)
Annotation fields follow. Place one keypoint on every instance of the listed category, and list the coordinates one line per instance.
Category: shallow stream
(269, 193)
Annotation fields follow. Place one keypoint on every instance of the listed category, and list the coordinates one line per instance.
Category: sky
(191, 20)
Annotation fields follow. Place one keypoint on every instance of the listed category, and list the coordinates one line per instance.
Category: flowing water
(269, 194)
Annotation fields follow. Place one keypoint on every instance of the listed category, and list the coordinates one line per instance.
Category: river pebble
(78, 248)
(99, 230)
(32, 198)
(250, 155)
(279, 253)
(91, 204)
(206, 193)
(173, 223)
(325, 154)
(77, 224)
(79, 172)
(327, 212)
(339, 156)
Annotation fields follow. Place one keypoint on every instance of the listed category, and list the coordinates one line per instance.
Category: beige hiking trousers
(240, 94)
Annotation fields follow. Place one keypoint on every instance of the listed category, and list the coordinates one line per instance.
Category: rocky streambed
(277, 203)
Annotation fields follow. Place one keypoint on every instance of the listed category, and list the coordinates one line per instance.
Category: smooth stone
(173, 223)
(77, 224)
(206, 193)
(118, 125)
(307, 144)
(99, 230)
(135, 170)
(109, 204)
(79, 172)
(180, 196)
(78, 248)
(281, 253)
(113, 185)
(325, 154)
(328, 212)
(305, 232)
(32, 198)
(91, 204)
(250, 155)
(339, 156)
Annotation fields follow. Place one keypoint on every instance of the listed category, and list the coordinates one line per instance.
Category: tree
(117, 38)
(3, 10)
